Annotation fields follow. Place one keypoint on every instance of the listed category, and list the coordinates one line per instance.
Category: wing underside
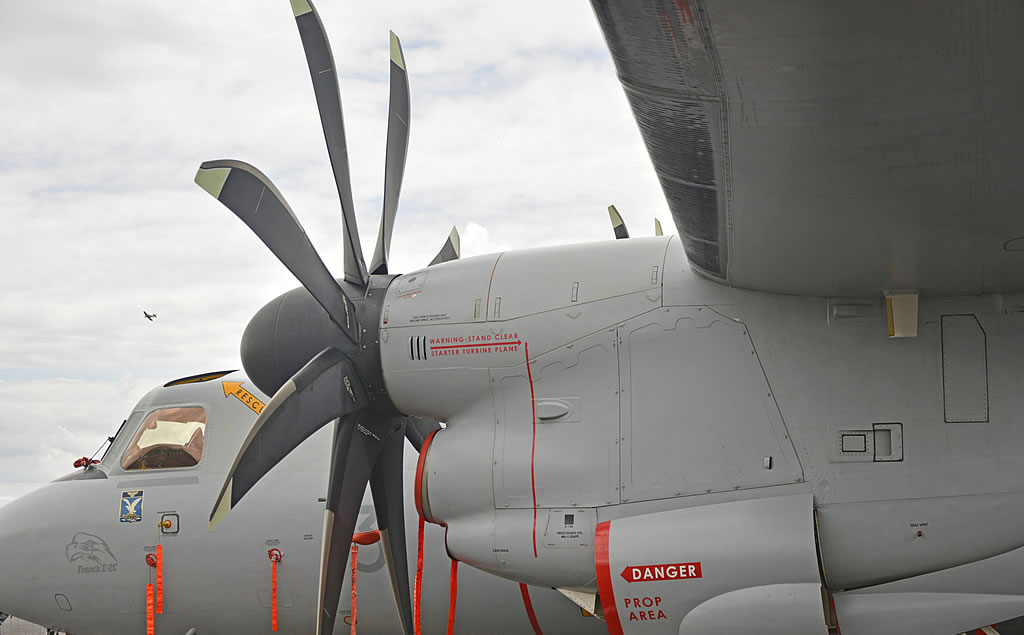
(839, 148)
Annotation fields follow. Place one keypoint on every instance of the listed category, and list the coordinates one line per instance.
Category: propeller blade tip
(614, 215)
(396, 51)
(657, 228)
(300, 7)
(456, 242)
(212, 179)
(223, 506)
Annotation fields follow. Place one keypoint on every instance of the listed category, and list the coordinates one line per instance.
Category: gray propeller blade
(326, 388)
(386, 487)
(617, 223)
(450, 250)
(417, 430)
(328, 100)
(397, 148)
(253, 198)
(358, 442)
(657, 227)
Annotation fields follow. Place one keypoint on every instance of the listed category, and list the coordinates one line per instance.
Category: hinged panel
(575, 460)
(697, 414)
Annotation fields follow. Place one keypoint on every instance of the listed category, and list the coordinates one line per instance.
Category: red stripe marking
(529, 609)
(533, 448)
(418, 483)
(503, 343)
(453, 592)
(417, 589)
(604, 579)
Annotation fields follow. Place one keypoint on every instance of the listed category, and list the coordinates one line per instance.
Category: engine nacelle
(518, 354)
(569, 385)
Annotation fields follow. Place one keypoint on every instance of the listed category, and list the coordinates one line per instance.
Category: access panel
(698, 414)
(557, 432)
(739, 567)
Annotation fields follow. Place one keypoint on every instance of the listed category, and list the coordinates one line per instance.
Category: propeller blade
(617, 223)
(394, 163)
(657, 228)
(417, 430)
(253, 198)
(386, 487)
(358, 442)
(328, 100)
(326, 388)
(450, 250)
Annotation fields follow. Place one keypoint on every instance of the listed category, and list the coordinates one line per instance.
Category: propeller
(450, 250)
(657, 228)
(394, 161)
(618, 225)
(328, 100)
(315, 348)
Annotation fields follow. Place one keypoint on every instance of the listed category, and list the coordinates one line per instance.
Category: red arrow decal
(652, 572)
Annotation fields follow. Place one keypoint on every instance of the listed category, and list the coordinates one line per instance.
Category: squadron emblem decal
(131, 506)
(91, 554)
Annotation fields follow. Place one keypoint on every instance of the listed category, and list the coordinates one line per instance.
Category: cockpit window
(170, 437)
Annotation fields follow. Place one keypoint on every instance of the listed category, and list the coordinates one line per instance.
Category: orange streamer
(159, 579)
(355, 574)
(273, 594)
(150, 617)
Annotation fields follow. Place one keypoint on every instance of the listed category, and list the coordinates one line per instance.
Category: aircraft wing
(834, 148)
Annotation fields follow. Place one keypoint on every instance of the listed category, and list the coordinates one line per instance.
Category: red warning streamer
(417, 588)
(453, 592)
(533, 447)
(275, 556)
(159, 579)
(355, 574)
(150, 617)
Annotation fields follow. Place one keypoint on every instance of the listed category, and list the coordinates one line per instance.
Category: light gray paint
(744, 545)
(814, 156)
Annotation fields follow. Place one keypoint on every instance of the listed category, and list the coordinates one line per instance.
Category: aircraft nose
(16, 554)
(8, 547)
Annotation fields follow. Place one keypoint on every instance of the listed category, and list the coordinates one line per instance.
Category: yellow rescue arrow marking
(234, 388)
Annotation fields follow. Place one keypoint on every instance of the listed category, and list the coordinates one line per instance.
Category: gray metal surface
(836, 148)
(763, 548)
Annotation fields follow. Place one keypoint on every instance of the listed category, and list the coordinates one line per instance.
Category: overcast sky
(520, 136)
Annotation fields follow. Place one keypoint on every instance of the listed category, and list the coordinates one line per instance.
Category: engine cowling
(517, 353)
(739, 567)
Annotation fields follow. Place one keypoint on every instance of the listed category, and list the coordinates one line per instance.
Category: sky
(521, 136)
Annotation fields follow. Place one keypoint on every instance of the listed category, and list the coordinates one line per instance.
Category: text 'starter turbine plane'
(803, 414)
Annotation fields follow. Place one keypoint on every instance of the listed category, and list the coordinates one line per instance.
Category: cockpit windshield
(169, 437)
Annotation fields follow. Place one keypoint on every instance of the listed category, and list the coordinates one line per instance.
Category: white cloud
(520, 136)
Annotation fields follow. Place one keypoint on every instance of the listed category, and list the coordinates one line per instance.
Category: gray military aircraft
(801, 415)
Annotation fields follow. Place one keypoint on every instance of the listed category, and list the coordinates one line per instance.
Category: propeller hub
(293, 327)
